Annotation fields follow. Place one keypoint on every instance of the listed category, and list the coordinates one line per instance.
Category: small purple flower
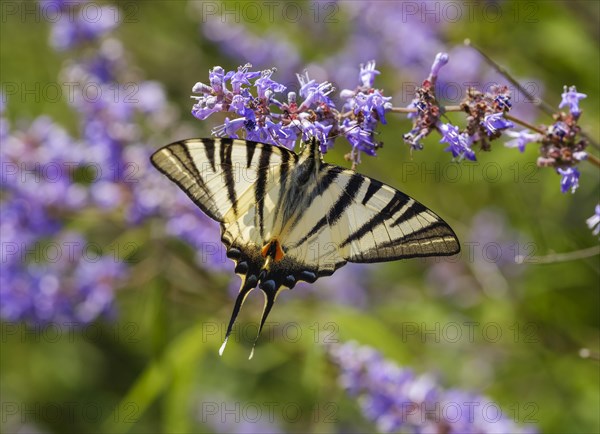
(238, 104)
(571, 98)
(74, 28)
(367, 73)
(318, 130)
(216, 77)
(569, 180)
(521, 138)
(503, 102)
(460, 144)
(229, 128)
(440, 60)
(264, 83)
(415, 103)
(495, 122)
(379, 104)
(206, 107)
(314, 93)
(414, 137)
(559, 129)
(359, 138)
(241, 77)
(594, 221)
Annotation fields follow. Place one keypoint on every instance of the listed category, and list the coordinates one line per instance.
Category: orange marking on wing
(278, 252)
(274, 250)
(265, 250)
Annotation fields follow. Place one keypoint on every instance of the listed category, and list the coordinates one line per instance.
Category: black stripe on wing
(324, 181)
(176, 163)
(395, 204)
(284, 172)
(250, 148)
(335, 212)
(374, 187)
(226, 148)
(260, 186)
(209, 149)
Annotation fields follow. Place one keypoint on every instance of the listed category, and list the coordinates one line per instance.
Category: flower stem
(593, 159)
(448, 108)
(524, 123)
(560, 257)
(403, 110)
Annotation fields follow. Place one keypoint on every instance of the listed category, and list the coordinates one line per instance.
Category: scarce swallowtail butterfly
(288, 217)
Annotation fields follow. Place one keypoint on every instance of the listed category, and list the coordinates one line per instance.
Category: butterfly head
(311, 150)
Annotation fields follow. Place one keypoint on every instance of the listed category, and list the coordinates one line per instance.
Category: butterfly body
(288, 217)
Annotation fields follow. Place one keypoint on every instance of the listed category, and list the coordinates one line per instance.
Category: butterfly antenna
(270, 292)
(247, 286)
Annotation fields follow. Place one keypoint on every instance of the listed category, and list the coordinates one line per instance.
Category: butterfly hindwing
(367, 221)
(386, 224)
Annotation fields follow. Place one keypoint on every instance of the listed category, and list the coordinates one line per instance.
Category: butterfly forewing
(216, 173)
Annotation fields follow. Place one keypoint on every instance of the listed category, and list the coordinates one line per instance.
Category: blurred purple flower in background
(405, 40)
(397, 399)
(521, 138)
(594, 221)
(50, 271)
(347, 286)
(222, 415)
(75, 25)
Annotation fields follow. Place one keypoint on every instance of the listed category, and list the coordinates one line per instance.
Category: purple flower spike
(570, 179)
(521, 138)
(495, 122)
(266, 117)
(571, 98)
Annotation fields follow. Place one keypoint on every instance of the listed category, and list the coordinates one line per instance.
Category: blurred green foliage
(155, 368)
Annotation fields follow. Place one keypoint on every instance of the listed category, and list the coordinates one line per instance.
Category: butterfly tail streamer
(270, 291)
(248, 284)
